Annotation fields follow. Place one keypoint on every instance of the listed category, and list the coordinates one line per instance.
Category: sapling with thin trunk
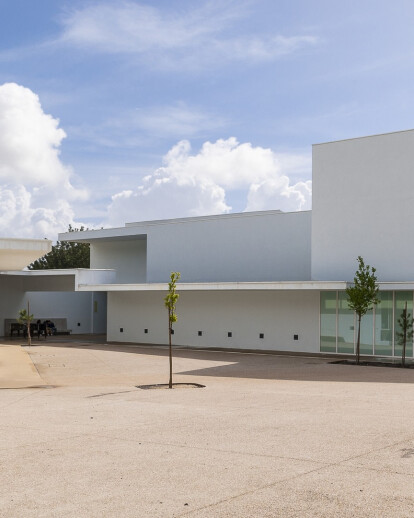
(363, 295)
(170, 302)
(405, 323)
(26, 318)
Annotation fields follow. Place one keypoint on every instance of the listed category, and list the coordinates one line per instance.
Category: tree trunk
(403, 350)
(29, 338)
(169, 341)
(404, 337)
(358, 340)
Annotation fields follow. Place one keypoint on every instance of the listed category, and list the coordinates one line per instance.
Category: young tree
(65, 255)
(406, 334)
(25, 318)
(170, 301)
(363, 295)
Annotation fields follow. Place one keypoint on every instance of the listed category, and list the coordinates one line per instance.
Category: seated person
(50, 327)
(38, 328)
(41, 329)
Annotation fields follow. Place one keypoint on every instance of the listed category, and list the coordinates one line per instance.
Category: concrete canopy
(60, 280)
(15, 254)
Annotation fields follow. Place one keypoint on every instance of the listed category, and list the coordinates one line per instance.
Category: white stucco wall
(11, 300)
(127, 257)
(251, 246)
(279, 315)
(245, 247)
(363, 205)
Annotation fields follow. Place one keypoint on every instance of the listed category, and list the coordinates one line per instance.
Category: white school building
(260, 280)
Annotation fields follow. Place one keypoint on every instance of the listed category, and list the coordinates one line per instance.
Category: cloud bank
(37, 195)
(196, 184)
(35, 191)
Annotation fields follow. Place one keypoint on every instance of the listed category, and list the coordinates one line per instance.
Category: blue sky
(179, 108)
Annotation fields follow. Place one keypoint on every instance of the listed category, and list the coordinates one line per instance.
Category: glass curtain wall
(401, 299)
(383, 324)
(328, 321)
(346, 325)
(379, 327)
(367, 333)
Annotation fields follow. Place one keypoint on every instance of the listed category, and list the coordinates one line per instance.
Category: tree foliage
(362, 295)
(170, 302)
(65, 255)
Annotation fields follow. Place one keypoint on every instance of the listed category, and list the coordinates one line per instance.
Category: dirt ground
(269, 436)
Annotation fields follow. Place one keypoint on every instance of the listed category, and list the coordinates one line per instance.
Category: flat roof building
(274, 280)
(268, 280)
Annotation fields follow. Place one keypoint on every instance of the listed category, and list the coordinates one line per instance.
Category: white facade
(277, 315)
(363, 204)
(238, 247)
(226, 263)
(275, 281)
(252, 246)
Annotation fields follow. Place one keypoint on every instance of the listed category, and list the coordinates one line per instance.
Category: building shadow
(237, 364)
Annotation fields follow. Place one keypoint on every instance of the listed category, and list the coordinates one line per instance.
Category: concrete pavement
(17, 369)
(269, 436)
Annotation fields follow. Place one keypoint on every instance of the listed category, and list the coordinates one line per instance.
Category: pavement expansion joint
(33, 444)
(252, 491)
(33, 393)
(375, 450)
(377, 470)
(287, 479)
(217, 450)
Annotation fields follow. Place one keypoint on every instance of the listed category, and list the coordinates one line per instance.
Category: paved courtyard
(269, 436)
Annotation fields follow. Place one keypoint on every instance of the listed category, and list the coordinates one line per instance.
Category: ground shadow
(280, 366)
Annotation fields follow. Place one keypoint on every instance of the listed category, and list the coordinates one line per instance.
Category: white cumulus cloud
(278, 193)
(162, 197)
(193, 184)
(35, 189)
